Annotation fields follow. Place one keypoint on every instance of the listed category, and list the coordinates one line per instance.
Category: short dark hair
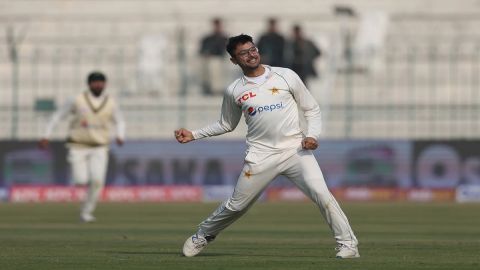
(96, 76)
(217, 20)
(234, 41)
(272, 20)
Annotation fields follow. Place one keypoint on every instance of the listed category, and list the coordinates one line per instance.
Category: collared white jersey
(271, 111)
(68, 109)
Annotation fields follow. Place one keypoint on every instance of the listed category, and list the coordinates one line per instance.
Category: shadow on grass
(178, 254)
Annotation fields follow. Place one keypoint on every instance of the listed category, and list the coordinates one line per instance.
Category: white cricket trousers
(301, 167)
(89, 167)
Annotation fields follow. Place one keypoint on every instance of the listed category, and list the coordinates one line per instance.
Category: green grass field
(271, 236)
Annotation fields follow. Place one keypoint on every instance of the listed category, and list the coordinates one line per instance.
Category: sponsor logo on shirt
(252, 111)
(246, 97)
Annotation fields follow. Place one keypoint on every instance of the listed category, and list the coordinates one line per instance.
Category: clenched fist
(309, 143)
(183, 135)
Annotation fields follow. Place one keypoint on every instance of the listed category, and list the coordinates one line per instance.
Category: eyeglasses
(244, 53)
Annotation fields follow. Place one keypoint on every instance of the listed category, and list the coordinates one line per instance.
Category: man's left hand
(309, 143)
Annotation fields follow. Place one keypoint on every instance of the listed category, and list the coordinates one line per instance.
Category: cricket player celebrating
(270, 99)
(92, 113)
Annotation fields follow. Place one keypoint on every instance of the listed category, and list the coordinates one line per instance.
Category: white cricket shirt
(271, 110)
(69, 108)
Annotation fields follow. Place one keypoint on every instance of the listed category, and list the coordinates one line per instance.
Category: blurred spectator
(300, 55)
(212, 51)
(271, 45)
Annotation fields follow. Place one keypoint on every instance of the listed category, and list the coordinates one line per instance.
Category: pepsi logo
(267, 108)
(251, 111)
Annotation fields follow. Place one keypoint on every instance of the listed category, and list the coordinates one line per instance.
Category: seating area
(424, 82)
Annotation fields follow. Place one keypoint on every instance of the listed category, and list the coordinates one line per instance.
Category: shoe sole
(88, 221)
(350, 257)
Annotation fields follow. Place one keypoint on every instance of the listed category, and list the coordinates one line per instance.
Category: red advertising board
(110, 194)
(163, 171)
(368, 194)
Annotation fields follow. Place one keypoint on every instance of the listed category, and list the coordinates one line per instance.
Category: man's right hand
(183, 136)
(43, 144)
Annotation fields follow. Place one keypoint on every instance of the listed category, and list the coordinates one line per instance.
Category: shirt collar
(268, 70)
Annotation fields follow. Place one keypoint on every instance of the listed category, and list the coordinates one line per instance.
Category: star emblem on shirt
(274, 90)
(248, 174)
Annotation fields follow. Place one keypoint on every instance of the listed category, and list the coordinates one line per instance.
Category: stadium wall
(361, 170)
(417, 84)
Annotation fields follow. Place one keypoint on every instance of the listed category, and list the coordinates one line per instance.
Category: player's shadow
(162, 253)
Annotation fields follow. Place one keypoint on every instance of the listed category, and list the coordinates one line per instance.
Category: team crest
(274, 90)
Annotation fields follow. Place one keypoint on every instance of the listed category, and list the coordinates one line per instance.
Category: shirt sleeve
(229, 118)
(306, 102)
(60, 114)
(119, 121)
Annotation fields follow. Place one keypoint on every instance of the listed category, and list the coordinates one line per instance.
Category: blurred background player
(301, 53)
(212, 55)
(271, 45)
(270, 99)
(92, 113)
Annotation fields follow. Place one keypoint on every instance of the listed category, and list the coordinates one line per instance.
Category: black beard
(96, 93)
(250, 68)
